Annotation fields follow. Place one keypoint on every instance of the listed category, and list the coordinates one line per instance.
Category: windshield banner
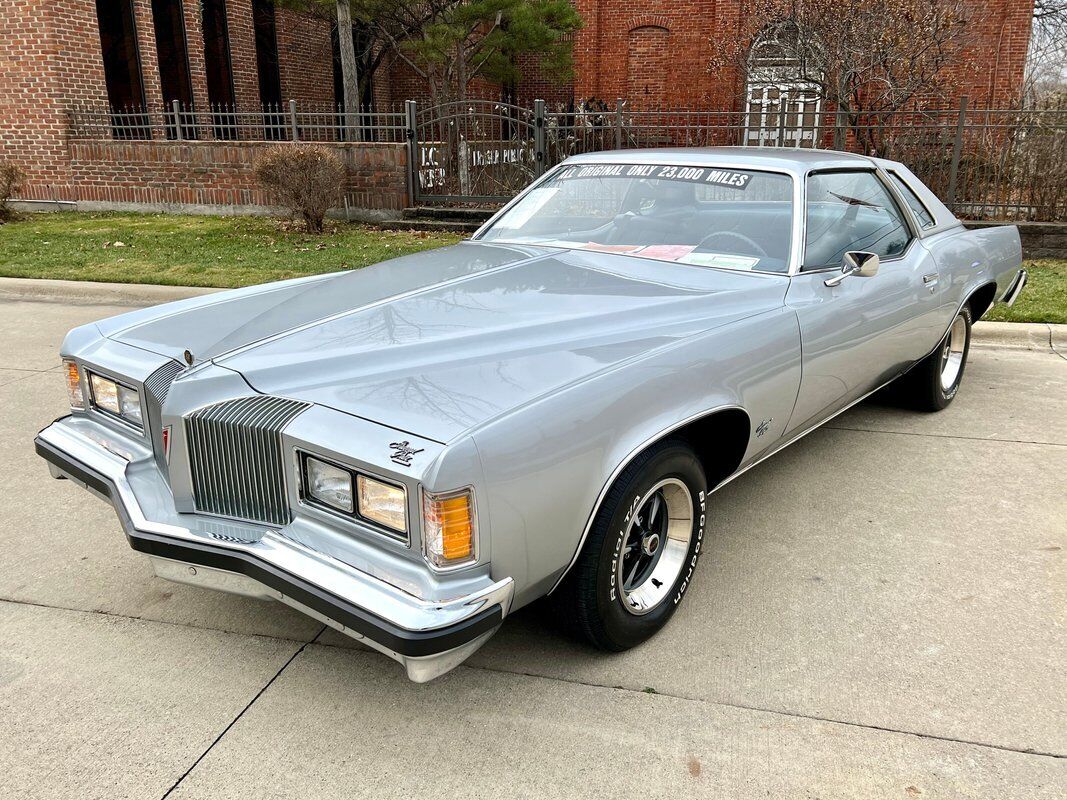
(717, 177)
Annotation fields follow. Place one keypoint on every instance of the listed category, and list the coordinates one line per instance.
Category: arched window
(783, 97)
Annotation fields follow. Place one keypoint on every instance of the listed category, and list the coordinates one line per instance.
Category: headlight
(74, 385)
(332, 485)
(383, 503)
(329, 484)
(448, 530)
(117, 399)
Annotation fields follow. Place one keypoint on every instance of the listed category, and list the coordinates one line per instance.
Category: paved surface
(882, 613)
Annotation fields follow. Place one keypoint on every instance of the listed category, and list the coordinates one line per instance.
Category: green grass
(241, 251)
(190, 251)
(1043, 300)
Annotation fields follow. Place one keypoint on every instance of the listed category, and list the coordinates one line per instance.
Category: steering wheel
(754, 246)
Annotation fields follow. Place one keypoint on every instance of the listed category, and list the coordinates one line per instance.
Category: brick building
(60, 55)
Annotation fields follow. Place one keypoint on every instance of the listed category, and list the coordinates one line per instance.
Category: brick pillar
(146, 48)
(587, 51)
(243, 53)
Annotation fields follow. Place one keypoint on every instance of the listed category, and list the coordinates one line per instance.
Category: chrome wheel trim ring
(644, 588)
(952, 353)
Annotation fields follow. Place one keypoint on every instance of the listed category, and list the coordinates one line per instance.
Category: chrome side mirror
(855, 262)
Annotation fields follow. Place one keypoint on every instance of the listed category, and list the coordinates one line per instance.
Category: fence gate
(476, 151)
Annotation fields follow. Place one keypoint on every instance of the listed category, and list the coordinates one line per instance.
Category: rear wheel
(933, 383)
(642, 549)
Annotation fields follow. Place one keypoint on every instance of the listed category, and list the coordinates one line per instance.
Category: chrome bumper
(428, 638)
(1016, 288)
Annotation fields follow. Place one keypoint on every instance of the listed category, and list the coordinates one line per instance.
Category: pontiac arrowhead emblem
(403, 452)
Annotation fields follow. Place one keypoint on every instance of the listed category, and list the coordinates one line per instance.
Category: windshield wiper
(854, 201)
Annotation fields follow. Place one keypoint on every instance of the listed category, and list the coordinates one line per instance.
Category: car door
(862, 332)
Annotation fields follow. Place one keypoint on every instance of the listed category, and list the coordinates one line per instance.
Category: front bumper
(427, 637)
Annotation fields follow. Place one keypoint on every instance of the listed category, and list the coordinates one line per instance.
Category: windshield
(707, 216)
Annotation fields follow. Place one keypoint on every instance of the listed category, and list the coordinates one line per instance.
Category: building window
(783, 98)
(217, 67)
(270, 79)
(172, 52)
(122, 69)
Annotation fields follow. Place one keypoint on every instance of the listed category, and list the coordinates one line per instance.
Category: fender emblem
(763, 427)
(403, 452)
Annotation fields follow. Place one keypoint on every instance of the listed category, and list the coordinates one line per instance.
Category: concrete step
(429, 225)
(449, 213)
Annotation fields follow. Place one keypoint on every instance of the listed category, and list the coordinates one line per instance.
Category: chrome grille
(235, 454)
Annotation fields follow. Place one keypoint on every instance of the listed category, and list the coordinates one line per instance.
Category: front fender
(549, 464)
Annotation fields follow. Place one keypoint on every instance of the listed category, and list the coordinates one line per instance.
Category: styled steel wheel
(655, 547)
(641, 552)
(952, 353)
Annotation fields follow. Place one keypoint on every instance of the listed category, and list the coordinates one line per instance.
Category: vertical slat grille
(235, 454)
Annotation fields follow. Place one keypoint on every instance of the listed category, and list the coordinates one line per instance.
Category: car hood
(460, 336)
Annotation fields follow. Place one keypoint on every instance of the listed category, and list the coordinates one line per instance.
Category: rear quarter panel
(970, 259)
(547, 464)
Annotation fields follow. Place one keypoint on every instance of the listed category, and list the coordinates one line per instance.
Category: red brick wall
(215, 173)
(616, 54)
(305, 55)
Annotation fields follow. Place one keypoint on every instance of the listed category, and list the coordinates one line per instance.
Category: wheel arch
(719, 457)
(981, 300)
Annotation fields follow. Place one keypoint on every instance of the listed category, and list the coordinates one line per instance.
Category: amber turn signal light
(448, 529)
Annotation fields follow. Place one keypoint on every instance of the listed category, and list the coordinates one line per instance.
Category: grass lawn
(240, 251)
(1043, 300)
(190, 251)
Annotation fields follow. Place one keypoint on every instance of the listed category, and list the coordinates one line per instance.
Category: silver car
(411, 451)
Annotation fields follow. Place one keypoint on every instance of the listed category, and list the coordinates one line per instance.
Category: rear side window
(851, 211)
(921, 212)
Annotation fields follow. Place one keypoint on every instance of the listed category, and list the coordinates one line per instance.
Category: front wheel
(933, 383)
(641, 552)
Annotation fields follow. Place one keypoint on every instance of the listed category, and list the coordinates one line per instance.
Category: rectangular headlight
(74, 385)
(383, 503)
(329, 484)
(116, 398)
(448, 529)
(105, 394)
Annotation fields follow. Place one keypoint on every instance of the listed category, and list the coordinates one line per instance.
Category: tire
(933, 383)
(618, 593)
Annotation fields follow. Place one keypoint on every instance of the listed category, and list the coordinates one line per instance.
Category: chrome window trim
(920, 230)
(905, 216)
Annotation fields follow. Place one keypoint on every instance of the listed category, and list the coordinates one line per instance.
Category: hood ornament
(403, 452)
(188, 356)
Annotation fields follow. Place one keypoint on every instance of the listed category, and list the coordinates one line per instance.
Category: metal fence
(986, 163)
(290, 121)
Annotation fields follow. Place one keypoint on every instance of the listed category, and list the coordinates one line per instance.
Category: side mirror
(856, 262)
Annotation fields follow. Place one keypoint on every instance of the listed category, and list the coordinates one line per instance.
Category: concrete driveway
(881, 612)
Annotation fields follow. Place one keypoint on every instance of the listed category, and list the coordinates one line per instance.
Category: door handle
(930, 280)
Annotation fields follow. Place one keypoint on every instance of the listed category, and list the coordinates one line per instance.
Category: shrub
(10, 182)
(306, 179)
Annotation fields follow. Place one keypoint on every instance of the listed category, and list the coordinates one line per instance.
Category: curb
(1013, 335)
(91, 293)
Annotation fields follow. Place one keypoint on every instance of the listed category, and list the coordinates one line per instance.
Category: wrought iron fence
(290, 121)
(986, 163)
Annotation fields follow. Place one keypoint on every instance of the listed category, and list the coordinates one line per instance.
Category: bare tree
(1046, 61)
(869, 58)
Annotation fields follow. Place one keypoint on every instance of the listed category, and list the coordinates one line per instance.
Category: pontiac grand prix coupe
(411, 451)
